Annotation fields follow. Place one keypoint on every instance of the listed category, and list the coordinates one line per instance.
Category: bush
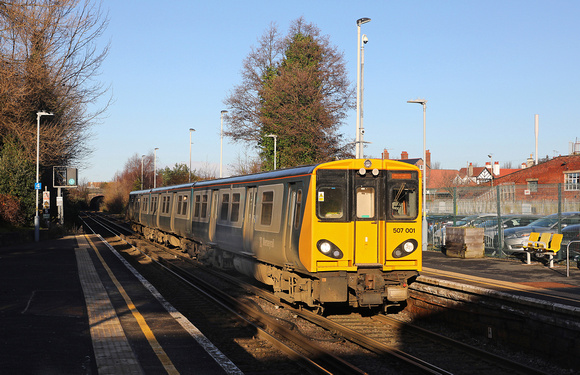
(10, 211)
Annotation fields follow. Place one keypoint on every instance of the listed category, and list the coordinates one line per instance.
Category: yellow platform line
(163, 357)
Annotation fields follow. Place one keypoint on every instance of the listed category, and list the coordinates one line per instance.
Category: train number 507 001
(403, 230)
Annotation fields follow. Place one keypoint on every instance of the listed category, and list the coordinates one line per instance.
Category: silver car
(490, 232)
(516, 238)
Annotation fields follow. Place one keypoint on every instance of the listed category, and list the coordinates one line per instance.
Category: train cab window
(330, 202)
(297, 208)
(235, 207)
(403, 195)
(225, 209)
(267, 207)
(365, 202)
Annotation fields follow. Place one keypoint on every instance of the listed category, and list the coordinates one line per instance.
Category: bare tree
(49, 60)
(295, 87)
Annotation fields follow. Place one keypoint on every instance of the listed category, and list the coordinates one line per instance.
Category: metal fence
(447, 205)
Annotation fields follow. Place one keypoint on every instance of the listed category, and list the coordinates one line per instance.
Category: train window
(225, 210)
(165, 204)
(403, 200)
(182, 204)
(330, 202)
(235, 207)
(153, 209)
(267, 207)
(145, 204)
(297, 208)
(197, 206)
(204, 206)
(365, 202)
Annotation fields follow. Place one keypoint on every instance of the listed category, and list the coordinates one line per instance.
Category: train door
(293, 223)
(249, 219)
(213, 215)
(366, 220)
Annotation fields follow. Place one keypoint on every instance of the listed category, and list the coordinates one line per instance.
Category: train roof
(268, 175)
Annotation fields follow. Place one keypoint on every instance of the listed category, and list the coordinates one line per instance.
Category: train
(338, 233)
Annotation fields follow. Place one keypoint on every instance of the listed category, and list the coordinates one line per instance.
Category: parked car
(572, 233)
(516, 238)
(490, 232)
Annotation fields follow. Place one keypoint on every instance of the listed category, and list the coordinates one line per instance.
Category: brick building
(563, 170)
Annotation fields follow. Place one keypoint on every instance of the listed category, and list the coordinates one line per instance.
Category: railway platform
(71, 306)
(535, 280)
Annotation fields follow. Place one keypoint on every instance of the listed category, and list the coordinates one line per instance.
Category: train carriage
(344, 232)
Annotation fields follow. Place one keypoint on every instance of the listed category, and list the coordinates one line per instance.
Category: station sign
(46, 200)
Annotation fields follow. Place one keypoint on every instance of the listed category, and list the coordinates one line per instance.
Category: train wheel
(319, 310)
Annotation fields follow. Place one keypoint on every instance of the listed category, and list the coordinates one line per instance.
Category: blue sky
(486, 68)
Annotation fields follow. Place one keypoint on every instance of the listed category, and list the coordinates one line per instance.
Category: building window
(572, 181)
(533, 186)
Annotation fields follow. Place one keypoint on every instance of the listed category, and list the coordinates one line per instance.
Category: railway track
(372, 344)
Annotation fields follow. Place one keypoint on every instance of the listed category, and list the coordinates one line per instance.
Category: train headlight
(409, 247)
(368, 163)
(329, 249)
(405, 248)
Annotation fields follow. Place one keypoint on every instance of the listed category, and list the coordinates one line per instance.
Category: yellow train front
(360, 235)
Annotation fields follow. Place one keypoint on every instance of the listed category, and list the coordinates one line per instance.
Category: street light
(37, 186)
(359, 135)
(222, 141)
(490, 156)
(423, 102)
(142, 156)
(155, 167)
(189, 174)
(275, 138)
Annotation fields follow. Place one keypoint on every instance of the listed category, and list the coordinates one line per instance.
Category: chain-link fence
(499, 208)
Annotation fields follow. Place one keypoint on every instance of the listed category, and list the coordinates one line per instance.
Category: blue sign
(38, 186)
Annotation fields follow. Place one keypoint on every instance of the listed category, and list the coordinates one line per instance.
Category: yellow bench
(546, 244)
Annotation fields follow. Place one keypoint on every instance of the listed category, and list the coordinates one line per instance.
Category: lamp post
(37, 186)
(222, 141)
(359, 144)
(490, 156)
(142, 156)
(423, 102)
(189, 174)
(155, 167)
(275, 138)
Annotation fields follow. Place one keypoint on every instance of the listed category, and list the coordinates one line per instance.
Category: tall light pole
(142, 156)
(37, 186)
(189, 174)
(490, 156)
(275, 138)
(222, 142)
(423, 102)
(359, 144)
(155, 167)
